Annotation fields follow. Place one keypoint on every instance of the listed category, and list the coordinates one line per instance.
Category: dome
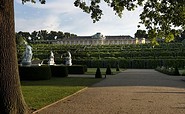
(98, 36)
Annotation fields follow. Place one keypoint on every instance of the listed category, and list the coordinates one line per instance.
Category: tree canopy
(160, 17)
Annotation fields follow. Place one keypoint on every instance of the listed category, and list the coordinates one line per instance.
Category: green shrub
(176, 72)
(85, 68)
(98, 73)
(59, 71)
(35, 72)
(76, 69)
(168, 70)
(117, 67)
(108, 70)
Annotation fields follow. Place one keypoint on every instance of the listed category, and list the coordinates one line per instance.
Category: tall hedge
(59, 71)
(35, 72)
(76, 69)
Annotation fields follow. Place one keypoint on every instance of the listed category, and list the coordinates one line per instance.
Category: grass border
(37, 111)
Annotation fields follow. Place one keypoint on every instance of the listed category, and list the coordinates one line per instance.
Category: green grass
(92, 71)
(38, 94)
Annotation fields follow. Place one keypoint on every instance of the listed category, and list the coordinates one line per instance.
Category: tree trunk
(11, 98)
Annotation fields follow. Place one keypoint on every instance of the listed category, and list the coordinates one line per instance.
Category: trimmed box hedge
(34, 72)
(76, 69)
(59, 71)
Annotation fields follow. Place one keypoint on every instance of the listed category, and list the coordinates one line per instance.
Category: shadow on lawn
(66, 81)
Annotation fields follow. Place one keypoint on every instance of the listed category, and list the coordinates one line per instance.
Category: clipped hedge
(59, 71)
(76, 69)
(34, 72)
(168, 70)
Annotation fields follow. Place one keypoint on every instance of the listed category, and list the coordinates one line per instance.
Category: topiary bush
(34, 72)
(117, 67)
(176, 72)
(98, 73)
(85, 68)
(59, 71)
(108, 70)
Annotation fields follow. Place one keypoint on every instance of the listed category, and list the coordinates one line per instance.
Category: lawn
(41, 93)
(44, 92)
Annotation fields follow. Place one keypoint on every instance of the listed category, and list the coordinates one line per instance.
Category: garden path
(134, 91)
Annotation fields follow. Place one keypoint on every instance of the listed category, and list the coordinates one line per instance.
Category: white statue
(68, 59)
(51, 59)
(27, 56)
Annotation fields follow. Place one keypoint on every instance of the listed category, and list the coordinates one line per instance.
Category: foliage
(44, 35)
(117, 67)
(108, 70)
(128, 56)
(168, 70)
(20, 40)
(159, 16)
(34, 72)
(76, 69)
(98, 73)
(141, 34)
(59, 71)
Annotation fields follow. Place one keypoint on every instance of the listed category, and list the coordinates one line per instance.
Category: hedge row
(133, 63)
(45, 72)
(163, 51)
(168, 70)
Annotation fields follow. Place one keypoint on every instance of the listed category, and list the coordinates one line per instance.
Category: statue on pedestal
(51, 59)
(68, 59)
(27, 56)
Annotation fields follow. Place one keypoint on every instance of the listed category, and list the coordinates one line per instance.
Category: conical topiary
(108, 70)
(176, 72)
(117, 67)
(98, 73)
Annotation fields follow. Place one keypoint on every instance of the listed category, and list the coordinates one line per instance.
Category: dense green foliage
(76, 69)
(41, 35)
(59, 71)
(168, 70)
(128, 56)
(108, 70)
(159, 16)
(35, 72)
(98, 73)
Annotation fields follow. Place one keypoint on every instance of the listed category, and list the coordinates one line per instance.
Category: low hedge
(59, 71)
(168, 70)
(76, 69)
(34, 72)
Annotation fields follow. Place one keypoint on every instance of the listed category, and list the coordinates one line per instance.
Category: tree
(11, 98)
(141, 34)
(20, 40)
(159, 16)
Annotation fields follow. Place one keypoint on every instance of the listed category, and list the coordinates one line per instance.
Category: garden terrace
(128, 56)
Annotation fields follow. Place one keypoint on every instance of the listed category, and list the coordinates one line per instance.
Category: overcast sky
(62, 15)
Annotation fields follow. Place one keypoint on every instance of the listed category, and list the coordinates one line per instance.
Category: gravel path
(133, 91)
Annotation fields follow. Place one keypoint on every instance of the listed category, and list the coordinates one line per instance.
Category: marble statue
(68, 59)
(27, 56)
(51, 59)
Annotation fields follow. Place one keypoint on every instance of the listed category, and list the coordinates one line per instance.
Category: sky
(62, 15)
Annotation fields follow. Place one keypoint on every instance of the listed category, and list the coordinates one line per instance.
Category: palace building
(99, 39)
